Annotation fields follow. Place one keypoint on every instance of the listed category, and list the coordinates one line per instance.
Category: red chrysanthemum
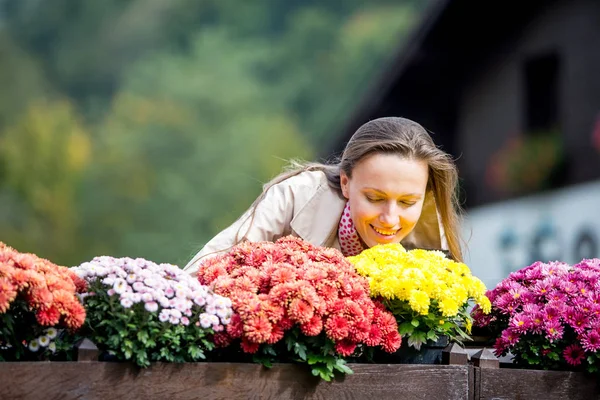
(312, 327)
(49, 290)
(48, 316)
(300, 311)
(392, 341)
(345, 347)
(249, 347)
(375, 336)
(337, 327)
(275, 287)
(235, 327)
(221, 339)
(277, 334)
(257, 329)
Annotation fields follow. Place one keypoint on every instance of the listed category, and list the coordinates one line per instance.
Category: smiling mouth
(385, 232)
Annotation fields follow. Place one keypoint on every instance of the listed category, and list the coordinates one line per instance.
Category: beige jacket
(306, 206)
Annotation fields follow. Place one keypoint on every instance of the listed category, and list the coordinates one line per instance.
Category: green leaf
(323, 372)
(415, 322)
(341, 366)
(406, 328)
(431, 335)
(268, 349)
(195, 352)
(300, 350)
(143, 336)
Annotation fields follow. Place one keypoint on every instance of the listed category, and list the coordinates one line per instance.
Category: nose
(390, 216)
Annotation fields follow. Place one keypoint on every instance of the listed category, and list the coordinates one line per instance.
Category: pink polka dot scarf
(349, 241)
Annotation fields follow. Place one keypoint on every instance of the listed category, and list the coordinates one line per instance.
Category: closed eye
(408, 203)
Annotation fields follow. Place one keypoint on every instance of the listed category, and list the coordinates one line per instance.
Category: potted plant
(429, 294)
(142, 311)
(294, 302)
(547, 316)
(38, 302)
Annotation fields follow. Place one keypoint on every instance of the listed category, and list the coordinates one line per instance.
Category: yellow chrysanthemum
(421, 278)
(448, 307)
(419, 301)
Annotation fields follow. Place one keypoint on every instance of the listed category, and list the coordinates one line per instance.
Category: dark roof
(423, 81)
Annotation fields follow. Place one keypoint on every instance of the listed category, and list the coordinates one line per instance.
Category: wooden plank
(103, 380)
(535, 384)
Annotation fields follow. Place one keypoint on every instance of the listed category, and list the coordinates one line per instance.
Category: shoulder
(310, 181)
(302, 189)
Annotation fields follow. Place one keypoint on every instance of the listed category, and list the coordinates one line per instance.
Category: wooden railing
(476, 376)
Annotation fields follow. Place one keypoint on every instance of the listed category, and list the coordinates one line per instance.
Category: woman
(391, 185)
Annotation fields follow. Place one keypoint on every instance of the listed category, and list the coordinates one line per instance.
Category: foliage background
(143, 127)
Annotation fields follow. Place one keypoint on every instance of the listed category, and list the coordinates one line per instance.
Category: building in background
(512, 90)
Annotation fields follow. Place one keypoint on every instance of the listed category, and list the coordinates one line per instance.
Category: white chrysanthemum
(52, 347)
(164, 302)
(131, 278)
(164, 315)
(205, 320)
(44, 341)
(109, 280)
(146, 297)
(51, 333)
(120, 286)
(169, 292)
(34, 345)
(210, 309)
(151, 306)
(126, 302)
(136, 297)
(200, 300)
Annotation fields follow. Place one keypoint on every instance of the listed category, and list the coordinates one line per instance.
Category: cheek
(362, 211)
(412, 215)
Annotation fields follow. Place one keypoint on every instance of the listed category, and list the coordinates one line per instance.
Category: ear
(344, 184)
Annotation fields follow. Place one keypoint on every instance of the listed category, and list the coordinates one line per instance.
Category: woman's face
(386, 194)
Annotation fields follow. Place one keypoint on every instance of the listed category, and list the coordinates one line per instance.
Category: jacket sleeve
(270, 222)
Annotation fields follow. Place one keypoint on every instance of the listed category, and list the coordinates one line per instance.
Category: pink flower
(520, 323)
(554, 330)
(578, 321)
(510, 336)
(591, 340)
(48, 316)
(574, 354)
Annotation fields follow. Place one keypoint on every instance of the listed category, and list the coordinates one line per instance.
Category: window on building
(542, 93)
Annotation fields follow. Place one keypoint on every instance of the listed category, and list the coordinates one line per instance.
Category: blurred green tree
(182, 153)
(187, 107)
(45, 155)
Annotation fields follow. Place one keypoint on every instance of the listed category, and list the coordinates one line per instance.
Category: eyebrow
(419, 195)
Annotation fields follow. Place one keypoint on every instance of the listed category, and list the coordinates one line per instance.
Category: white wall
(507, 236)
